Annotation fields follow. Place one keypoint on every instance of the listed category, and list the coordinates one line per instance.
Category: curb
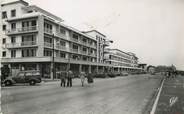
(157, 98)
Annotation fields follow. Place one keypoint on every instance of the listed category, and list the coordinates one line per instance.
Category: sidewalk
(171, 99)
(77, 80)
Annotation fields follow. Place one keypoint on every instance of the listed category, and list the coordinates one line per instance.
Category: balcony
(74, 50)
(74, 39)
(46, 44)
(48, 31)
(22, 44)
(84, 52)
(60, 47)
(60, 35)
(92, 54)
(22, 30)
(30, 43)
(84, 43)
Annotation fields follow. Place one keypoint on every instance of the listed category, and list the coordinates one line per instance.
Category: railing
(74, 39)
(84, 52)
(48, 31)
(60, 47)
(74, 50)
(85, 43)
(46, 44)
(14, 45)
(23, 29)
(61, 35)
(29, 43)
(92, 54)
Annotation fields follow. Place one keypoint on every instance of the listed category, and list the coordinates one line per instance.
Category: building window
(30, 11)
(13, 26)
(47, 28)
(29, 38)
(62, 55)
(25, 24)
(4, 40)
(62, 31)
(13, 13)
(28, 52)
(84, 58)
(84, 49)
(48, 40)
(4, 27)
(4, 15)
(62, 43)
(47, 52)
(4, 54)
(33, 23)
(75, 57)
(84, 40)
(13, 40)
(75, 36)
(13, 53)
(75, 46)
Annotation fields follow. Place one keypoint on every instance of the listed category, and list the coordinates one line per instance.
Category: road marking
(172, 101)
(157, 98)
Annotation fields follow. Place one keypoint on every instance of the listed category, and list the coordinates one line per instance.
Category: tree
(5, 71)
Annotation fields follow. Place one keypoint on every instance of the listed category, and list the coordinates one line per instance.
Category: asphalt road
(120, 95)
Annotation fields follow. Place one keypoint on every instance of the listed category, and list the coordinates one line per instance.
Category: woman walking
(82, 77)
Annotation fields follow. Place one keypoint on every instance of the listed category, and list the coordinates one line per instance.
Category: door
(20, 78)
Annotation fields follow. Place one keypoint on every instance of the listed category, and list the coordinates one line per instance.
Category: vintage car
(31, 77)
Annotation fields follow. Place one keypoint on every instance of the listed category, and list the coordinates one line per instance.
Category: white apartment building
(102, 43)
(121, 61)
(34, 39)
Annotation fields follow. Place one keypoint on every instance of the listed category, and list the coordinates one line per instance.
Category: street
(120, 95)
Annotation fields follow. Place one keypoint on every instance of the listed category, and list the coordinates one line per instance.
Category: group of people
(170, 74)
(66, 78)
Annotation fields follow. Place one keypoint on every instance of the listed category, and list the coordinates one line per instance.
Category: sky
(152, 29)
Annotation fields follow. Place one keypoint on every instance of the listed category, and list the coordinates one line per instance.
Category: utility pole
(53, 62)
(68, 67)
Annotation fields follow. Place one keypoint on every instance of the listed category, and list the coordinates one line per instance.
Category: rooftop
(36, 8)
(94, 31)
(14, 2)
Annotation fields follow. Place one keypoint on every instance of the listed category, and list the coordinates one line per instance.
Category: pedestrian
(63, 78)
(70, 75)
(82, 76)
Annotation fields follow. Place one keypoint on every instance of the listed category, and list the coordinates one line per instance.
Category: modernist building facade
(121, 61)
(34, 39)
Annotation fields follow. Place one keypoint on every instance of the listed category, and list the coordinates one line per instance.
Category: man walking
(69, 78)
(63, 78)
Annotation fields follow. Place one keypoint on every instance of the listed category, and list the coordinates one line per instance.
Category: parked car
(124, 74)
(100, 75)
(112, 75)
(31, 77)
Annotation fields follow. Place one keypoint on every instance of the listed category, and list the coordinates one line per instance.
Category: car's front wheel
(32, 82)
(8, 83)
